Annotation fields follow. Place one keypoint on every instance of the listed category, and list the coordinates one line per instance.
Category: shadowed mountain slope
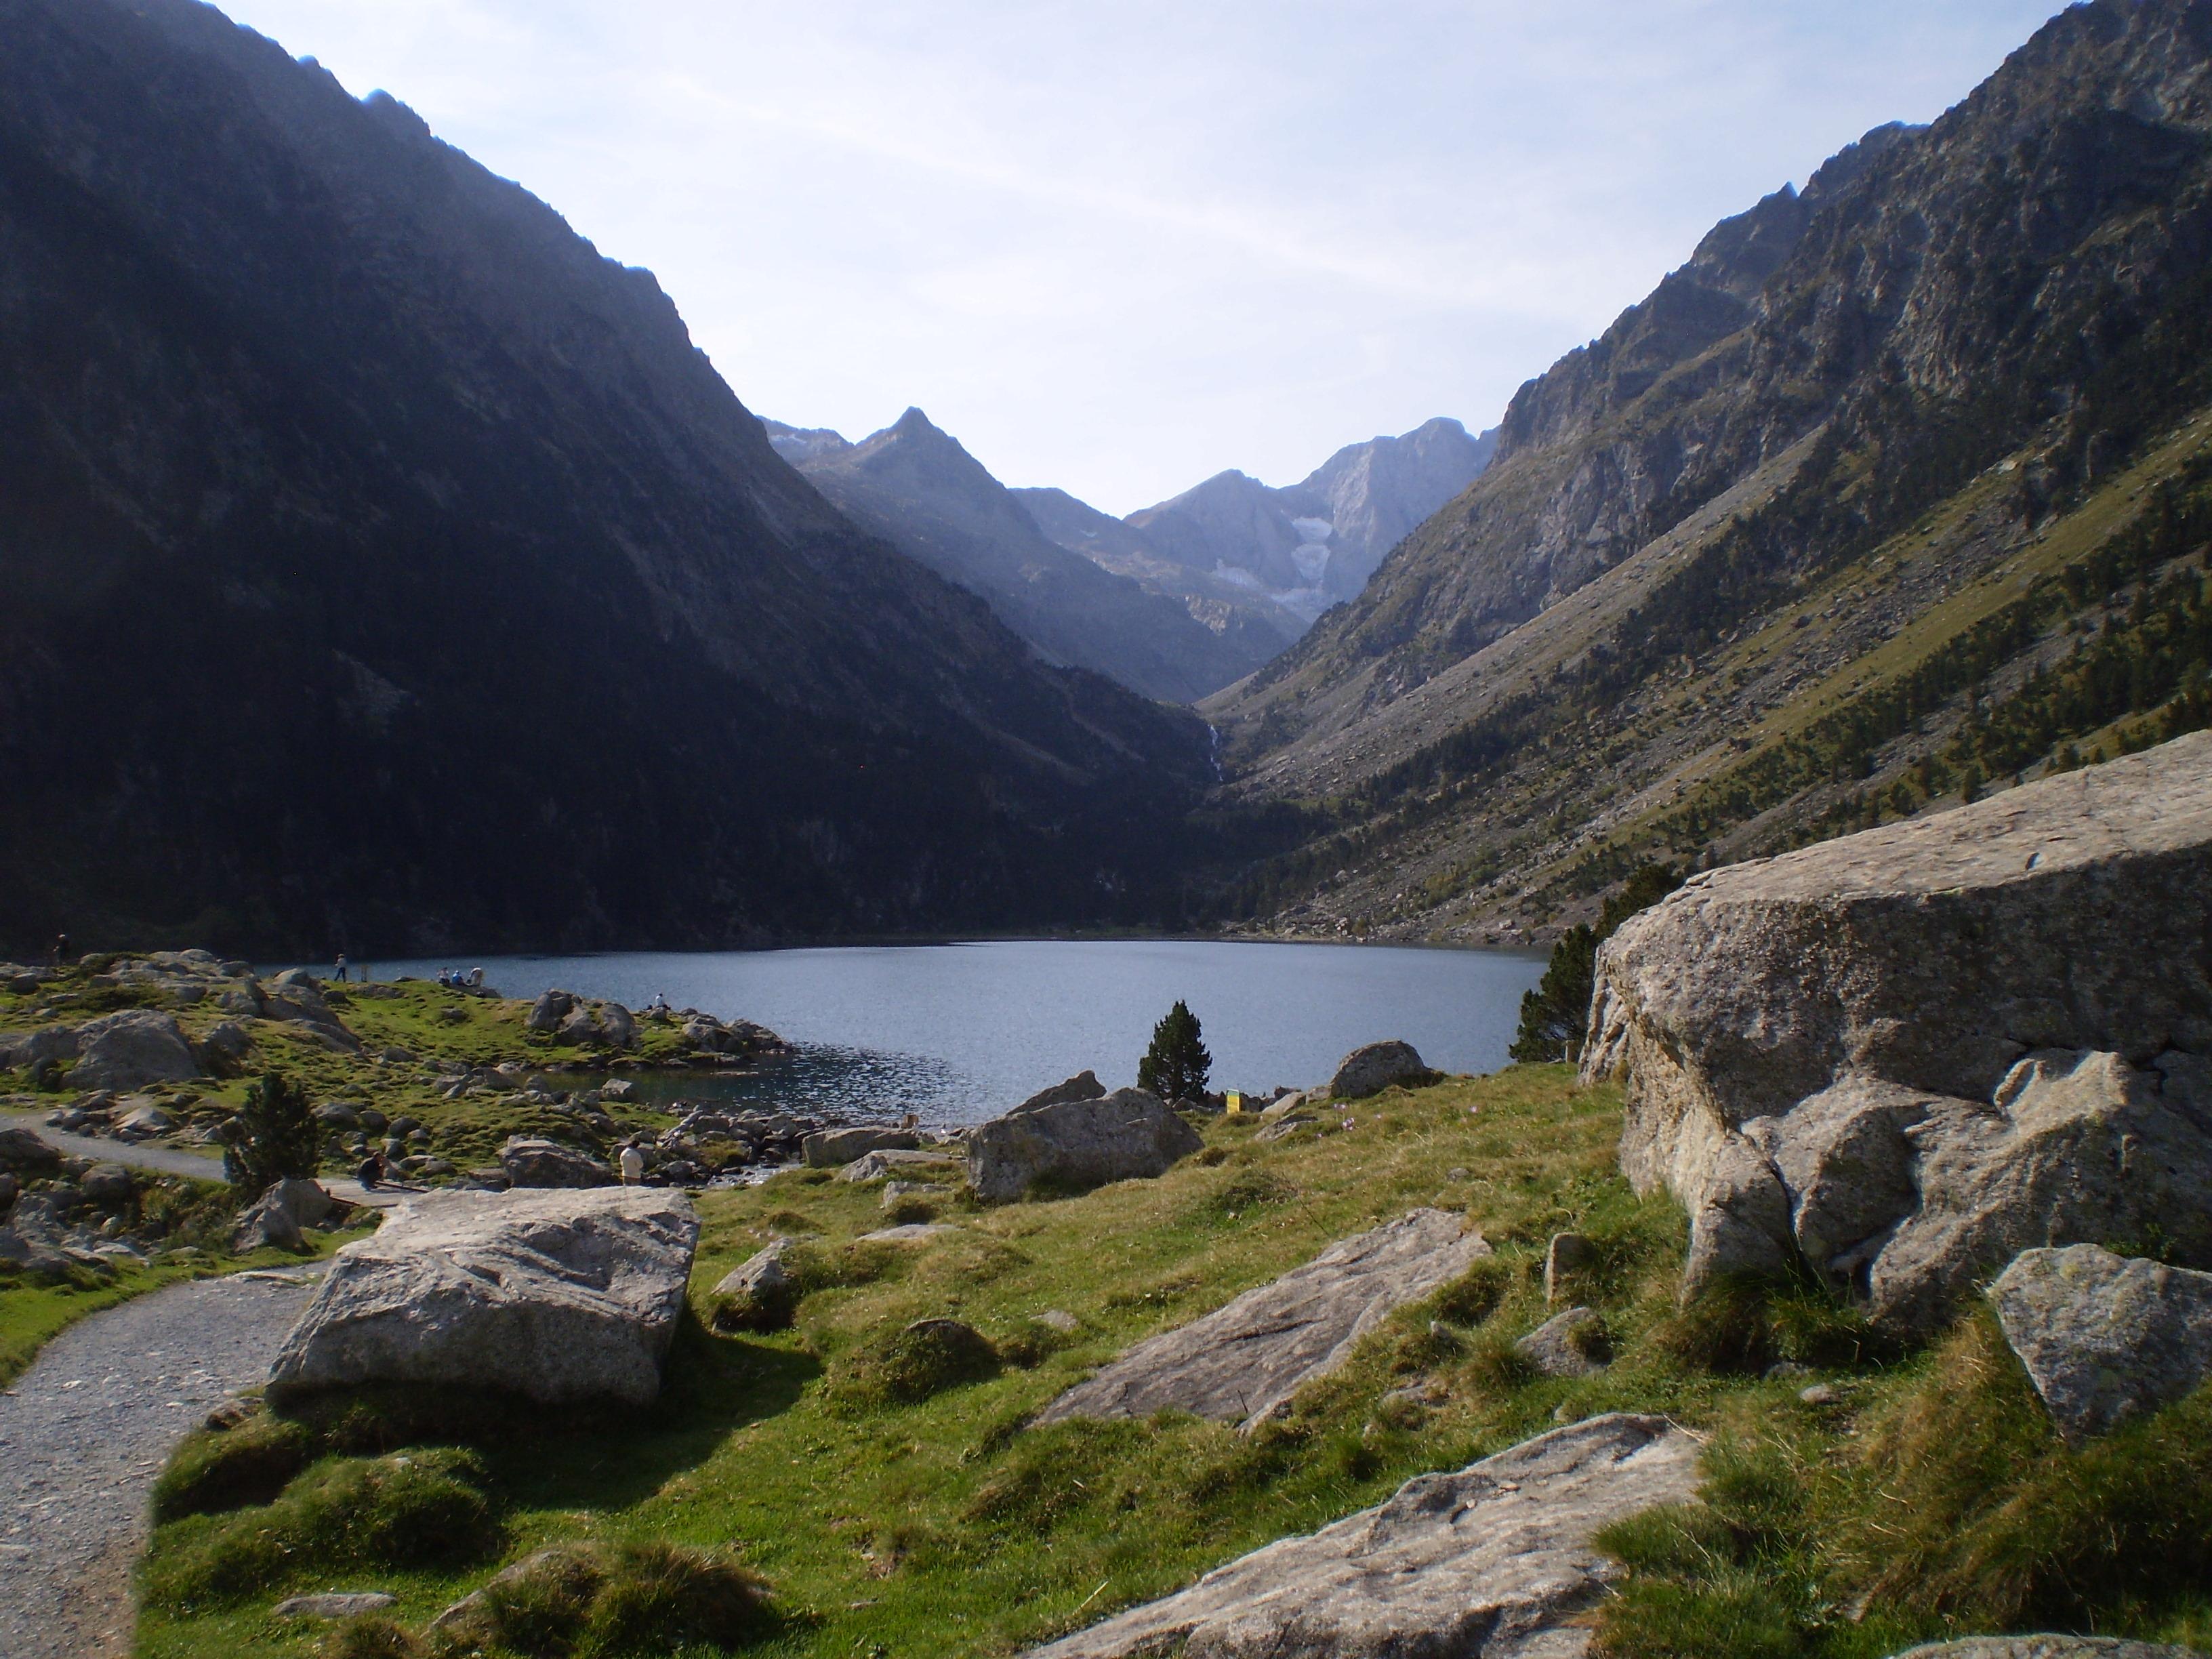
(387, 568)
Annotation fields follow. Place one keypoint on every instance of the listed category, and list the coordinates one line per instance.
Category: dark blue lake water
(960, 1032)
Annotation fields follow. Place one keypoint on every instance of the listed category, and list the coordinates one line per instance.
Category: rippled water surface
(960, 1032)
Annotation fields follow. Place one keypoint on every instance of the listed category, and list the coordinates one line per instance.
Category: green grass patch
(897, 1498)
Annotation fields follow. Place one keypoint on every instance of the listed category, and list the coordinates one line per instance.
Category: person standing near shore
(339, 974)
(633, 1163)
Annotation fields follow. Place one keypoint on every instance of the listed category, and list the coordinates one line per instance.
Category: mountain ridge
(1972, 325)
(390, 570)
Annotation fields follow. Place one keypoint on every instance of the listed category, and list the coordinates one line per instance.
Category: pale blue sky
(1119, 247)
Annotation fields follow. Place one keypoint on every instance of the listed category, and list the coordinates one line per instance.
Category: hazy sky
(1121, 246)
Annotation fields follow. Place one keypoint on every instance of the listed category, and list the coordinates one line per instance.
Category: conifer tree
(274, 1138)
(1552, 1015)
(1174, 1067)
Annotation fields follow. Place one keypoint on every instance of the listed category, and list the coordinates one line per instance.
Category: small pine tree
(1174, 1067)
(1554, 1014)
(274, 1138)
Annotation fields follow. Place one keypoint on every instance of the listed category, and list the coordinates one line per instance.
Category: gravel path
(169, 1160)
(84, 1432)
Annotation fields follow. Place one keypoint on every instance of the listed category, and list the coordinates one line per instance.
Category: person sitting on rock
(372, 1172)
(633, 1163)
(475, 979)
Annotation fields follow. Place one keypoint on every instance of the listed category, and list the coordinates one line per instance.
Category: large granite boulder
(832, 1149)
(1370, 1070)
(558, 1296)
(1493, 1561)
(1070, 1145)
(532, 1162)
(2105, 1337)
(1243, 1361)
(131, 1049)
(1906, 1055)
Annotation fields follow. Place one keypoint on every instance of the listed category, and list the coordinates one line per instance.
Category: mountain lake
(959, 1033)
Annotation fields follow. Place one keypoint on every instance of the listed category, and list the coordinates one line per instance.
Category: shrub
(1176, 1066)
(275, 1137)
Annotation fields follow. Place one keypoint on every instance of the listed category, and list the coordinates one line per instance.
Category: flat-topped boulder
(1056, 1143)
(1907, 1054)
(1243, 1361)
(1493, 1562)
(556, 1294)
(2047, 1647)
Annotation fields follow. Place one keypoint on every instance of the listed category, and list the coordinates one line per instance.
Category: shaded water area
(957, 1033)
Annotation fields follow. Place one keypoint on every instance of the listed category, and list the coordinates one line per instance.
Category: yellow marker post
(1236, 1104)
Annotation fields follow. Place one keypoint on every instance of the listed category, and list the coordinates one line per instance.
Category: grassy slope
(947, 1527)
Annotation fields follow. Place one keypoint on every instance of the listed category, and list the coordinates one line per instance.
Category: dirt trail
(84, 1432)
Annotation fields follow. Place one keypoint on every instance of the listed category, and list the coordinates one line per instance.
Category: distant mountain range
(1176, 601)
(385, 569)
(916, 487)
(1318, 541)
(1896, 489)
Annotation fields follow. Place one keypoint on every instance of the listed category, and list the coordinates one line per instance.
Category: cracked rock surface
(1491, 1562)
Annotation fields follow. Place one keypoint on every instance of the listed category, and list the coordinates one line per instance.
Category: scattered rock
(1568, 1255)
(548, 1011)
(131, 1049)
(335, 1604)
(1820, 1394)
(533, 1163)
(1084, 1085)
(1829, 1057)
(557, 1296)
(1244, 1361)
(109, 1184)
(277, 1217)
(23, 1150)
(1073, 1145)
(831, 1149)
(1284, 1128)
(2105, 1337)
(890, 1161)
(1570, 1344)
(759, 1296)
(2047, 1647)
(1494, 1560)
(914, 1232)
(225, 1047)
(145, 1121)
(1054, 1319)
(32, 1050)
(1370, 1070)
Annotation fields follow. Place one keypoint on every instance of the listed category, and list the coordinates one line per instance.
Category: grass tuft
(426, 1510)
(907, 1366)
